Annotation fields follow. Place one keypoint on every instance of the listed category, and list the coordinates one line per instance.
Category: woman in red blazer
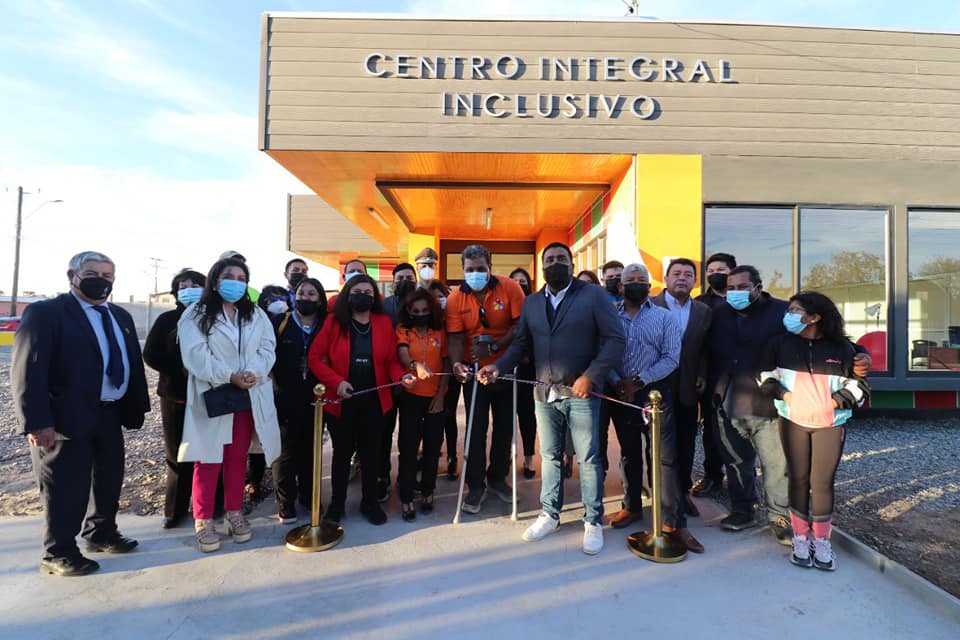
(355, 350)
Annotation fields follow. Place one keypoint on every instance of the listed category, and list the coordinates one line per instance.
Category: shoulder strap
(283, 324)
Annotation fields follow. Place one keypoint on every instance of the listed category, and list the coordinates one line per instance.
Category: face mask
(296, 278)
(793, 322)
(477, 280)
(636, 292)
(307, 307)
(427, 273)
(443, 302)
(360, 302)
(277, 307)
(347, 276)
(525, 288)
(612, 285)
(420, 319)
(557, 275)
(717, 281)
(96, 288)
(403, 288)
(232, 290)
(739, 300)
(189, 296)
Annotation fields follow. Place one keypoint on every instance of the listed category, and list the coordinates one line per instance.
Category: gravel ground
(898, 486)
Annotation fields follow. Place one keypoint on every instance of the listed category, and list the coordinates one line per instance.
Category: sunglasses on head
(483, 318)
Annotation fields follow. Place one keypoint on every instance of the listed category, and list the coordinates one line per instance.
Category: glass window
(503, 264)
(934, 289)
(843, 256)
(759, 236)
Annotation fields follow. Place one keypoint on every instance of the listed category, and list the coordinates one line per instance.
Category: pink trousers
(234, 465)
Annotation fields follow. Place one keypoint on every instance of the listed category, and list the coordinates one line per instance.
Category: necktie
(115, 363)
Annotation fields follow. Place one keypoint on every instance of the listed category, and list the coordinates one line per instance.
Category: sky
(141, 115)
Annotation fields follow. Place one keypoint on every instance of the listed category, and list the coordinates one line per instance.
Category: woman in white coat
(226, 340)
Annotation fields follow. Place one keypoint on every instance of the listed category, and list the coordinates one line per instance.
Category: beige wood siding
(799, 92)
(314, 226)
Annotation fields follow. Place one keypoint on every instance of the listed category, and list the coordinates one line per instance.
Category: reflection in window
(842, 255)
(934, 289)
(760, 236)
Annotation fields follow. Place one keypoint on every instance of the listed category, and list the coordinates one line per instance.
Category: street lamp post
(16, 249)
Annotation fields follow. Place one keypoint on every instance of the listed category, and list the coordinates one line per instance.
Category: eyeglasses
(483, 318)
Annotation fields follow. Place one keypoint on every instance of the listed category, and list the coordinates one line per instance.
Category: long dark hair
(341, 309)
(212, 304)
(403, 316)
(322, 309)
(831, 322)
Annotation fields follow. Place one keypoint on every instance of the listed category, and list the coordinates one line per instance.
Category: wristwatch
(413, 365)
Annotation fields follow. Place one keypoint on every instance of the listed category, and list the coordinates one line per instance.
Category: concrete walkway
(432, 579)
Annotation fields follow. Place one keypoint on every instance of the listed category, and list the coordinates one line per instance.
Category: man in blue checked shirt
(652, 355)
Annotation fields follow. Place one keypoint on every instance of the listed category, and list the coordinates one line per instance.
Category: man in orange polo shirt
(484, 305)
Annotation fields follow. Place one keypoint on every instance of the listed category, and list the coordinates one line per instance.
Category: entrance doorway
(504, 255)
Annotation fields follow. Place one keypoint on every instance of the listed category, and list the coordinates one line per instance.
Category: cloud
(227, 135)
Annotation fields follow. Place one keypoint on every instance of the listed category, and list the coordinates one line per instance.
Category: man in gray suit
(576, 336)
(690, 378)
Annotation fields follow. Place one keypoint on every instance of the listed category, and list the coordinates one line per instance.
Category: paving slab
(433, 579)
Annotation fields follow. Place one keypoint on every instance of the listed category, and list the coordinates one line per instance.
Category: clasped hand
(243, 380)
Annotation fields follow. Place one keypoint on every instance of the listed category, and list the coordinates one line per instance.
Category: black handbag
(227, 398)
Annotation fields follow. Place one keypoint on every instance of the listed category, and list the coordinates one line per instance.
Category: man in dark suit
(77, 377)
(690, 378)
(577, 338)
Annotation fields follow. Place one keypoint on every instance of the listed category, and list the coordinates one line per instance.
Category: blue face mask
(739, 300)
(189, 296)
(476, 280)
(232, 290)
(793, 322)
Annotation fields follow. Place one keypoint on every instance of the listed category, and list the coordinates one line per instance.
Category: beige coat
(209, 361)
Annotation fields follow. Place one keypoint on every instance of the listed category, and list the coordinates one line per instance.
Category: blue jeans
(582, 415)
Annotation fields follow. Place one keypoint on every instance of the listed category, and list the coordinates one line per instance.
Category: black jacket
(586, 338)
(735, 344)
(58, 370)
(294, 393)
(162, 352)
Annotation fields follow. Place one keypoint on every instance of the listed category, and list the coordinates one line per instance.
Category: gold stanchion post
(653, 545)
(318, 535)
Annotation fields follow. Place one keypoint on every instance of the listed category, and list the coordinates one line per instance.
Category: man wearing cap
(426, 262)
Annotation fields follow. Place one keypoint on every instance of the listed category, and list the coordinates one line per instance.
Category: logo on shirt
(435, 342)
(498, 304)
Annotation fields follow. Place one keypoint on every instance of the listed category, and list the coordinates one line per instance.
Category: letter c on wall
(370, 65)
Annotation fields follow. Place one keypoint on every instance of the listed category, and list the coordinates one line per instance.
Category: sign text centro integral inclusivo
(553, 69)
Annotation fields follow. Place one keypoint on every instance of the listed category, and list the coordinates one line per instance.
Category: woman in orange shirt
(422, 349)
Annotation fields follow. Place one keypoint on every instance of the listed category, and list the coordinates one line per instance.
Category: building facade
(828, 158)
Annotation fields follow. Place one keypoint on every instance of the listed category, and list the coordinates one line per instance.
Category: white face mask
(427, 273)
(277, 307)
(347, 276)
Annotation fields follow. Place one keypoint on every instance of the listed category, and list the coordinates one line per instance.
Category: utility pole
(156, 268)
(16, 253)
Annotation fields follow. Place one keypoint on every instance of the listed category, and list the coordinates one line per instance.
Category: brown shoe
(690, 506)
(625, 518)
(685, 537)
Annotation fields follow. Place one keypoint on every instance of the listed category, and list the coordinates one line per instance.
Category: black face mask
(420, 319)
(403, 288)
(95, 288)
(308, 307)
(557, 275)
(636, 292)
(360, 302)
(296, 278)
(717, 281)
(525, 288)
(612, 285)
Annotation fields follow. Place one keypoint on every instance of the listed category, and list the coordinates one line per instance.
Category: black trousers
(450, 430)
(386, 442)
(496, 399)
(179, 474)
(359, 427)
(417, 424)
(813, 456)
(629, 426)
(80, 476)
(293, 469)
(526, 414)
(605, 428)
(686, 420)
(713, 456)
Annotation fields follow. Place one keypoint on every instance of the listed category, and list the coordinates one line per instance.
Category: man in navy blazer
(77, 378)
(573, 333)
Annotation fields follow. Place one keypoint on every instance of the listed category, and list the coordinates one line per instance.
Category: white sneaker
(801, 552)
(823, 557)
(543, 526)
(592, 538)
